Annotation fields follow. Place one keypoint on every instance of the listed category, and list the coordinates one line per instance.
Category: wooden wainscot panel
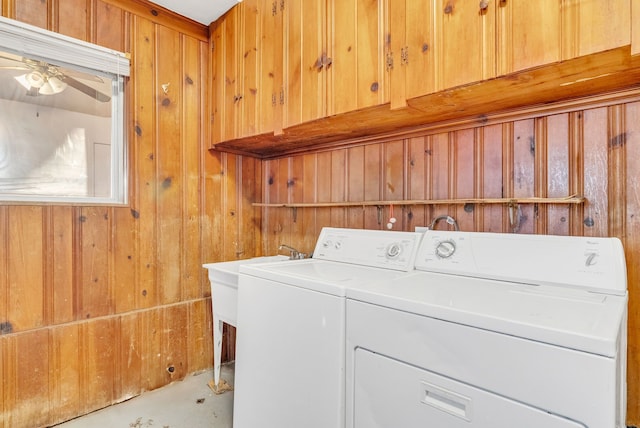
(585, 76)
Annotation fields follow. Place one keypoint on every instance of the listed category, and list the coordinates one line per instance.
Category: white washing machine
(492, 331)
(290, 361)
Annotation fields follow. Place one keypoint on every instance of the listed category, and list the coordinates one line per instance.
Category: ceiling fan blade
(85, 89)
(6, 67)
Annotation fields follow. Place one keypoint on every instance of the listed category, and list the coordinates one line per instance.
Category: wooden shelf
(574, 199)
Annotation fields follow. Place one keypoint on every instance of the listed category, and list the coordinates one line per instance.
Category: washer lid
(319, 275)
(566, 317)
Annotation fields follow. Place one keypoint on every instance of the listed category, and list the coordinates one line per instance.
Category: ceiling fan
(42, 78)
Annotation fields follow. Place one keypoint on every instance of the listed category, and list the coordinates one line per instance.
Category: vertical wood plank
(420, 70)
(175, 334)
(373, 186)
(72, 18)
(576, 168)
(310, 195)
(34, 12)
(393, 182)
(370, 79)
(463, 176)
(343, 79)
(111, 30)
(170, 207)
(65, 392)
(617, 170)
(491, 183)
(231, 41)
(31, 385)
(249, 179)
(466, 42)
(130, 355)
(61, 263)
(95, 246)
(416, 183)
(355, 185)
(145, 164)
(154, 371)
(631, 242)
(218, 110)
(295, 193)
(395, 42)
(267, 46)
(25, 268)
(200, 337)
(250, 71)
(338, 187)
(557, 173)
(4, 271)
(521, 45)
(324, 187)
(193, 147)
(97, 347)
(439, 165)
(525, 146)
(596, 181)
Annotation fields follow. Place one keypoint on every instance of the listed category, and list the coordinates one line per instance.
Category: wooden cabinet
(333, 61)
(358, 75)
(410, 50)
(465, 42)
(306, 57)
(522, 45)
(225, 52)
(280, 67)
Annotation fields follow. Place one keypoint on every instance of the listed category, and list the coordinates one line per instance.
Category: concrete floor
(189, 403)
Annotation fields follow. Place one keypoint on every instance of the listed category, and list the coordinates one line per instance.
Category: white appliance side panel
(289, 368)
(391, 394)
(572, 384)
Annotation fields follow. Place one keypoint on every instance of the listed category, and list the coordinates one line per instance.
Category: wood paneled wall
(98, 304)
(594, 152)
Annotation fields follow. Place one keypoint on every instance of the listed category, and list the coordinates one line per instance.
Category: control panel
(597, 264)
(377, 248)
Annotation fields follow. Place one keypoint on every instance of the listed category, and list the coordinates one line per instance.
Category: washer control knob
(327, 243)
(393, 251)
(591, 259)
(445, 249)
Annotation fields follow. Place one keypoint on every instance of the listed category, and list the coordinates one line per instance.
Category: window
(61, 118)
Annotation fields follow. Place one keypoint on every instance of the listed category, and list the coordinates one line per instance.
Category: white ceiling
(202, 11)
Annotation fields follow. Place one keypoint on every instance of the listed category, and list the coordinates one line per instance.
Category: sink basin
(223, 277)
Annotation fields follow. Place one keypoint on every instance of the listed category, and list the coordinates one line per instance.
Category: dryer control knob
(445, 249)
(393, 251)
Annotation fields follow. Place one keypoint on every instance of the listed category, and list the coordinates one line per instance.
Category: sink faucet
(293, 253)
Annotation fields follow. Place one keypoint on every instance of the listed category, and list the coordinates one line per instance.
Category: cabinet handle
(274, 8)
(319, 64)
(237, 98)
(273, 100)
(282, 96)
(404, 55)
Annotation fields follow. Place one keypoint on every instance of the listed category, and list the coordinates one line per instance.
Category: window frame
(34, 42)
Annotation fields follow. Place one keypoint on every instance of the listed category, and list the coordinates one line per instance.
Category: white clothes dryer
(492, 331)
(290, 361)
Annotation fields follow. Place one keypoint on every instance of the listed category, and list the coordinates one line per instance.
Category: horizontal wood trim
(480, 201)
(568, 84)
(165, 17)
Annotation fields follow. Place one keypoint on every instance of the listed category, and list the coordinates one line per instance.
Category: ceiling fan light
(35, 79)
(22, 79)
(52, 85)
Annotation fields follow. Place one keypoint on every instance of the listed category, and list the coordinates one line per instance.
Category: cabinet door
(465, 34)
(522, 45)
(230, 72)
(249, 45)
(304, 52)
(270, 83)
(591, 26)
(217, 81)
(356, 31)
(412, 72)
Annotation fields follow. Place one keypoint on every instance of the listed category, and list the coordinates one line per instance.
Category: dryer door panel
(390, 394)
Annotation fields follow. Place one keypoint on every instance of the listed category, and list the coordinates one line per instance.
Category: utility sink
(223, 277)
